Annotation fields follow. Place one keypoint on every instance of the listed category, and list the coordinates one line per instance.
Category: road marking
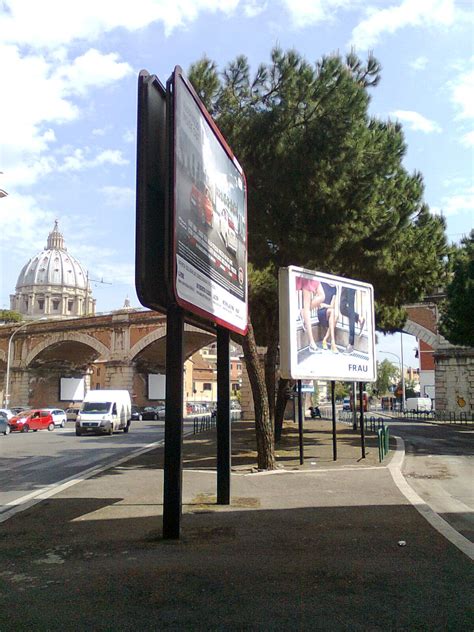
(435, 520)
(29, 500)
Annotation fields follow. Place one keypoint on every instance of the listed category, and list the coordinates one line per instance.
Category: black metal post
(361, 404)
(354, 405)
(333, 406)
(223, 417)
(300, 423)
(173, 454)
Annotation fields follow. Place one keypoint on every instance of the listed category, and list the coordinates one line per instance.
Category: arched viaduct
(127, 345)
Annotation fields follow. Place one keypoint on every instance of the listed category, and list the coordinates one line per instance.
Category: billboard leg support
(300, 422)
(361, 404)
(333, 407)
(173, 455)
(223, 417)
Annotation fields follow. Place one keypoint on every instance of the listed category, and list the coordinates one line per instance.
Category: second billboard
(327, 328)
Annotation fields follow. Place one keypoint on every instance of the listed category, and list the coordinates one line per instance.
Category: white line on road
(443, 527)
(28, 500)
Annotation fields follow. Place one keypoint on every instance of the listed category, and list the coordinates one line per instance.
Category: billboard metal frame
(207, 280)
(341, 342)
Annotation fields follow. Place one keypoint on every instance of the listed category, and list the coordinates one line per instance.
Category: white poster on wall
(156, 386)
(71, 389)
(327, 328)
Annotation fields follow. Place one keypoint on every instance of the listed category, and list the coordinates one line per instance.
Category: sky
(68, 108)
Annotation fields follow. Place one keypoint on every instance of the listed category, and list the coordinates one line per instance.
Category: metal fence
(201, 423)
(440, 416)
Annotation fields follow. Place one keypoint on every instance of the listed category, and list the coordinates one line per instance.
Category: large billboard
(209, 216)
(327, 328)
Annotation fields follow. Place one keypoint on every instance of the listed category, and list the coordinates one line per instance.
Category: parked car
(59, 416)
(346, 403)
(227, 231)
(4, 425)
(150, 413)
(16, 410)
(202, 205)
(137, 414)
(7, 412)
(71, 413)
(37, 419)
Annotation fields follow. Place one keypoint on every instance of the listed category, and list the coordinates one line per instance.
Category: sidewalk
(313, 547)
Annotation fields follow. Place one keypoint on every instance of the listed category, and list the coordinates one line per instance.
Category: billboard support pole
(333, 406)
(173, 456)
(223, 417)
(361, 404)
(300, 423)
(354, 406)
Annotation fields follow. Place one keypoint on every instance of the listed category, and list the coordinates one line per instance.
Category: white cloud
(462, 90)
(309, 12)
(119, 197)
(468, 139)
(461, 201)
(80, 160)
(50, 24)
(128, 136)
(252, 8)
(417, 122)
(419, 63)
(93, 69)
(425, 13)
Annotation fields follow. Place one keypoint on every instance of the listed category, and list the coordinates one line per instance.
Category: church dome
(53, 283)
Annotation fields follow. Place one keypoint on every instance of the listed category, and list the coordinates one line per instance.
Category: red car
(202, 205)
(32, 420)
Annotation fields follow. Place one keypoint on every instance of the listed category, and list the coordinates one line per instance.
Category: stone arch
(102, 350)
(147, 340)
(194, 339)
(432, 339)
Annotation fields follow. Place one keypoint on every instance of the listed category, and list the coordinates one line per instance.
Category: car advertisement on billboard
(327, 327)
(210, 216)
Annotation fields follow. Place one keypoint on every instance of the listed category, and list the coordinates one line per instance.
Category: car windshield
(96, 407)
(26, 413)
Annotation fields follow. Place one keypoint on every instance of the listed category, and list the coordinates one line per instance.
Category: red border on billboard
(194, 309)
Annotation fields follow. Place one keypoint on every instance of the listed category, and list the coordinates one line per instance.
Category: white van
(418, 405)
(104, 412)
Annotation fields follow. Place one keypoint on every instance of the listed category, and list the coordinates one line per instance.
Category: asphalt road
(439, 466)
(32, 462)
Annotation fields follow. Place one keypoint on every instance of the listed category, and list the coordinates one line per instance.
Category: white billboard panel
(327, 327)
(71, 389)
(156, 386)
(210, 216)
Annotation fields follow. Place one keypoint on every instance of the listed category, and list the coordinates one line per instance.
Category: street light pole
(6, 397)
(403, 373)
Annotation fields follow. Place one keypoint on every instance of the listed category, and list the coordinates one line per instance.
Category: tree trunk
(263, 426)
(270, 375)
(281, 401)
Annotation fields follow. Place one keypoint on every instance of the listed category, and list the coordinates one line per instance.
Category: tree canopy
(457, 312)
(327, 188)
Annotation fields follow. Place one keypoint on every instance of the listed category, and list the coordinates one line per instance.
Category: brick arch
(147, 340)
(434, 340)
(194, 339)
(102, 350)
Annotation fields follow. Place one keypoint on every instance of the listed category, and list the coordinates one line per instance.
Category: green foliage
(341, 389)
(387, 374)
(9, 316)
(327, 188)
(457, 312)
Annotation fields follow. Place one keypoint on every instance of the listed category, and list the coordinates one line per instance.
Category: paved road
(439, 466)
(33, 461)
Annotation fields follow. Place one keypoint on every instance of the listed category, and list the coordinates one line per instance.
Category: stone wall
(454, 379)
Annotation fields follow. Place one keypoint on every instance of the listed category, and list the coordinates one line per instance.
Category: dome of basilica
(53, 283)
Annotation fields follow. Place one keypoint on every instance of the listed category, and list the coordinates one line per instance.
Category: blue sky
(68, 106)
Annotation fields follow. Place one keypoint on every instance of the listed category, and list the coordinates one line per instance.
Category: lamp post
(6, 397)
(402, 374)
